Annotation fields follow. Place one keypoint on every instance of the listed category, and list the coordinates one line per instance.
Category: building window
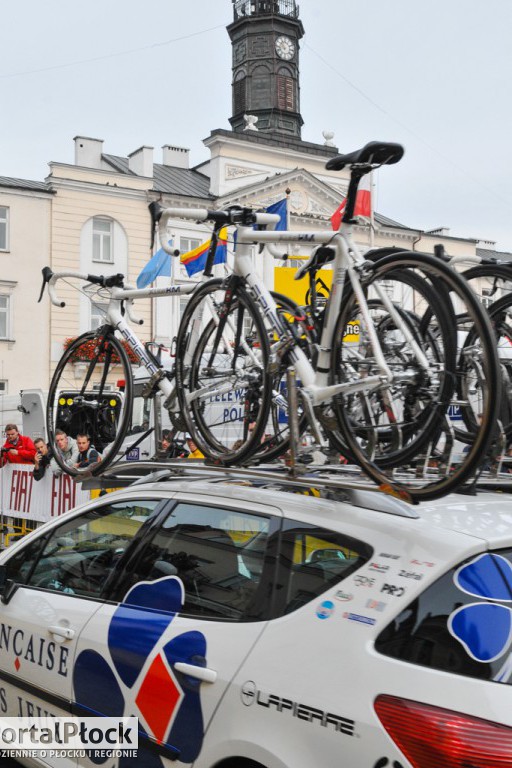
(239, 94)
(285, 93)
(98, 313)
(4, 316)
(102, 240)
(4, 228)
(187, 244)
(260, 89)
(3, 386)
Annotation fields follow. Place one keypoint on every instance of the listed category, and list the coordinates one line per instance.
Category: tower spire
(265, 37)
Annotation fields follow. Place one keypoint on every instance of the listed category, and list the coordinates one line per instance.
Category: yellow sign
(299, 290)
(352, 332)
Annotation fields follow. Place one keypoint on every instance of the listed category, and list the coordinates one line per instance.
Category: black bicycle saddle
(374, 153)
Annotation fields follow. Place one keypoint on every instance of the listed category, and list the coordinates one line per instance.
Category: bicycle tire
(231, 369)
(399, 433)
(80, 399)
(497, 276)
(434, 484)
(498, 312)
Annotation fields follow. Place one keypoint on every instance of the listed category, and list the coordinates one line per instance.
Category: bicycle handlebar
(235, 215)
(50, 278)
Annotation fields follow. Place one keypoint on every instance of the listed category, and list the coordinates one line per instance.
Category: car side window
(312, 560)
(217, 553)
(23, 559)
(77, 557)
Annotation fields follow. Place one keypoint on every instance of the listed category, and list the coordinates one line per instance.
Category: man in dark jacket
(87, 453)
(17, 449)
(42, 458)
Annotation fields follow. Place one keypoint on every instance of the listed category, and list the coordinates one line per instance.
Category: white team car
(252, 627)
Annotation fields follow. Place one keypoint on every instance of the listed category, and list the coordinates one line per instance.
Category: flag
(195, 260)
(363, 206)
(281, 208)
(158, 266)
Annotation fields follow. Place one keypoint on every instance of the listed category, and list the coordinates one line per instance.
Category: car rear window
(462, 623)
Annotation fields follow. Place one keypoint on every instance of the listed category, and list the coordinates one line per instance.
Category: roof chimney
(141, 162)
(88, 152)
(175, 156)
(441, 231)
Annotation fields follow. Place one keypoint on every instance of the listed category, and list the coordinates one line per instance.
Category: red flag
(363, 206)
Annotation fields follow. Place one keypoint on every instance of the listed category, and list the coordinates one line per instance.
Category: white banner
(41, 500)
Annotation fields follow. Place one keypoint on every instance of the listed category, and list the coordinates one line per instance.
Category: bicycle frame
(115, 319)
(348, 261)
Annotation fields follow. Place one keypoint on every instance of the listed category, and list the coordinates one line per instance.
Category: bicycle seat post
(356, 175)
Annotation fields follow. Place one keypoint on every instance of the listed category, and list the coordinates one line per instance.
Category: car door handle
(202, 673)
(65, 632)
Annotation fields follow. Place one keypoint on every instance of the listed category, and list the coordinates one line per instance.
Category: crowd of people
(21, 449)
(172, 448)
(77, 452)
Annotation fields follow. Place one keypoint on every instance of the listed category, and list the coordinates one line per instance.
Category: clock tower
(265, 38)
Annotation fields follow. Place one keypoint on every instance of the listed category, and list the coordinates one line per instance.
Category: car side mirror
(7, 586)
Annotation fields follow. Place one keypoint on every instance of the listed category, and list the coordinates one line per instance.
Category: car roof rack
(347, 482)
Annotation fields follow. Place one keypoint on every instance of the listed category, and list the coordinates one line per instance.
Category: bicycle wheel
(222, 371)
(432, 387)
(84, 397)
(469, 386)
(395, 422)
(491, 282)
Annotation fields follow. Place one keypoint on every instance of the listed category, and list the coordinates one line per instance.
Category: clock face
(285, 48)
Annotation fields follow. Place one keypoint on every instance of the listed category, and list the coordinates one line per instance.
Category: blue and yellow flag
(195, 260)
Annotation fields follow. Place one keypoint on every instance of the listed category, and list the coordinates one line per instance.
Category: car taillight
(431, 737)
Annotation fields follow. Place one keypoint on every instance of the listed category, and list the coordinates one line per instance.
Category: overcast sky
(434, 76)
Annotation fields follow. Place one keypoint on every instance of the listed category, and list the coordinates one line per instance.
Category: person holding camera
(17, 449)
(42, 458)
